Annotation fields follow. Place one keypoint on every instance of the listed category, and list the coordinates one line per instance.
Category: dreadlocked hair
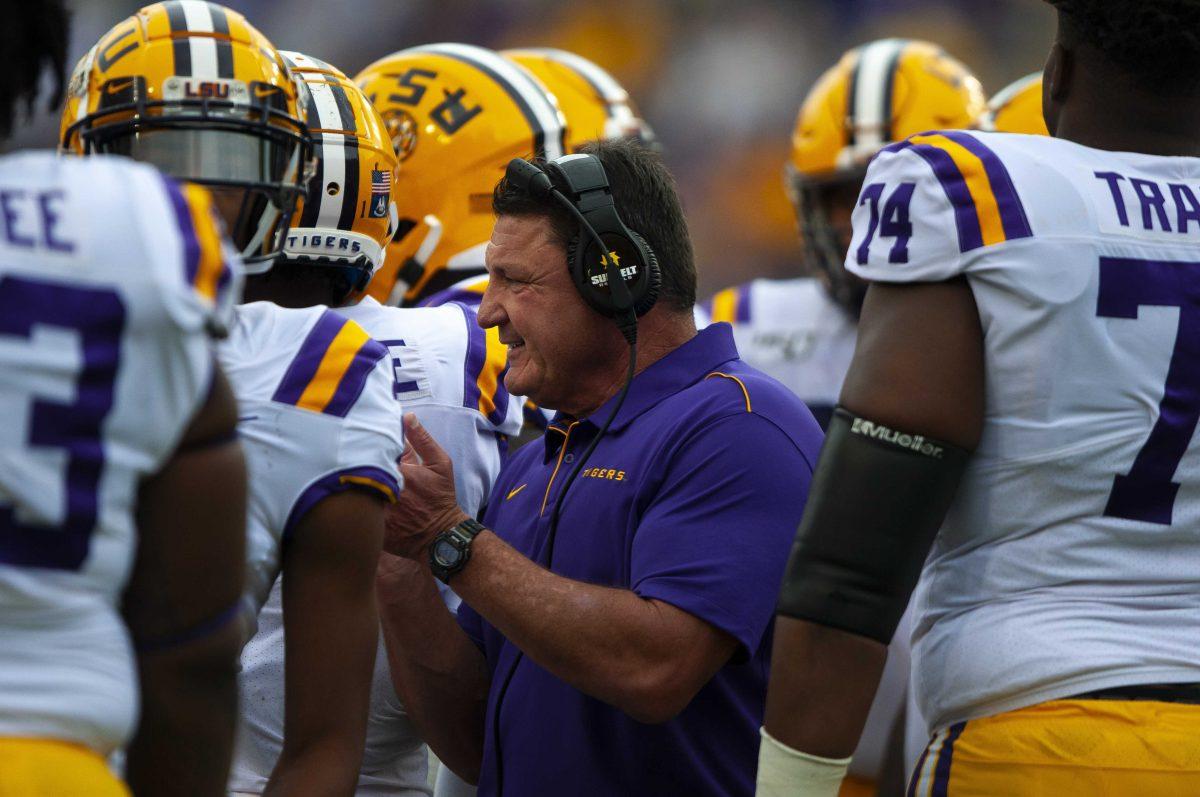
(33, 38)
(1157, 42)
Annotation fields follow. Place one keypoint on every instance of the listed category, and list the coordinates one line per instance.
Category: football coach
(619, 590)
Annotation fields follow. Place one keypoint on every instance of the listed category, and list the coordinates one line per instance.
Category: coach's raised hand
(427, 505)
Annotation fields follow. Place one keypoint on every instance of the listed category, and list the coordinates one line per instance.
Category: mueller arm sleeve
(878, 498)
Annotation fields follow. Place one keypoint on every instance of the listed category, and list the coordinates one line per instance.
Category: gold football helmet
(877, 94)
(345, 219)
(1017, 108)
(457, 114)
(193, 88)
(594, 104)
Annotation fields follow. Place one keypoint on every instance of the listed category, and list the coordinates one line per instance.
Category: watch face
(445, 553)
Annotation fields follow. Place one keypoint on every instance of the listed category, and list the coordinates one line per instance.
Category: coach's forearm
(609, 643)
(437, 671)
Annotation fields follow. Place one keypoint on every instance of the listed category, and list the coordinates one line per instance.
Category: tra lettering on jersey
(105, 356)
(1078, 512)
(1141, 205)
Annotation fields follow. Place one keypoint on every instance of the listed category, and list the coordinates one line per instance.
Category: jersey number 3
(1147, 491)
(74, 427)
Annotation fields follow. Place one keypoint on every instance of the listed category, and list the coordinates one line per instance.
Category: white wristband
(784, 772)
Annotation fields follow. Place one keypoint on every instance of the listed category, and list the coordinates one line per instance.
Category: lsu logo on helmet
(456, 115)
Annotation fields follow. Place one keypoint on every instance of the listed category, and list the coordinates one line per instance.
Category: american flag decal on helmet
(381, 189)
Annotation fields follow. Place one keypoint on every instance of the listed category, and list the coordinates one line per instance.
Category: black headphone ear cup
(649, 294)
(577, 272)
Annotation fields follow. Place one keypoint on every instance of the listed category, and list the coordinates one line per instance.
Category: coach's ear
(1056, 81)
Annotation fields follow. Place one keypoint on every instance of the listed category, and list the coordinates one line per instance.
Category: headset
(616, 273)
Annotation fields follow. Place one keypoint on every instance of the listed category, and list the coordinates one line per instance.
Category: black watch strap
(451, 550)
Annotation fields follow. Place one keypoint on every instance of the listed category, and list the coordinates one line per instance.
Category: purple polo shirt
(692, 498)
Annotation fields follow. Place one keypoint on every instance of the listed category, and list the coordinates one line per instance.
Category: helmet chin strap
(418, 260)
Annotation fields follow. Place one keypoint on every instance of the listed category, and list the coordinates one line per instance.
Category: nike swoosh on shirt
(514, 492)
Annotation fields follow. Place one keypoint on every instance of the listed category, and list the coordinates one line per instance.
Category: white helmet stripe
(203, 48)
(333, 153)
(873, 92)
(605, 85)
(544, 119)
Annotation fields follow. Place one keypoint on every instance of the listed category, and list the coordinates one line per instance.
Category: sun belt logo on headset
(627, 272)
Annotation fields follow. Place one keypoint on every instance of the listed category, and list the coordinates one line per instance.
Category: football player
(1017, 108)
(457, 114)
(212, 102)
(444, 371)
(122, 484)
(1023, 382)
(802, 330)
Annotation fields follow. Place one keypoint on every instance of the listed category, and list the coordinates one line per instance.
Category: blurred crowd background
(720, 81)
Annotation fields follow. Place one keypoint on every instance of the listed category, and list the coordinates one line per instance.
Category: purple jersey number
(1147, 491)
(894, 223)
(98, 315)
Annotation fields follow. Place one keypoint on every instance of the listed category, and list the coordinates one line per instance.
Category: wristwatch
(451, 550)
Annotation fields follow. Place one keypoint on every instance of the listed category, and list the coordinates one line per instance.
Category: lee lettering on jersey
(33, 220)
(1140, 206)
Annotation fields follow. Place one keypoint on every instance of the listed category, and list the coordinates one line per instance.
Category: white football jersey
(791, 331)
(316, 416)
(1070, 559)
(111, 279)
(449, 373)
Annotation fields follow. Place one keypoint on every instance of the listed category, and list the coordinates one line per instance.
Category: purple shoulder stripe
(966, 220)
(476, 357)
(187, 231)
(1012, 212)
(742, 313)
(304, 366)
(354, 380)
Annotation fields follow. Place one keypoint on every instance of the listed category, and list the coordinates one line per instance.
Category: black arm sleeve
(878, 498)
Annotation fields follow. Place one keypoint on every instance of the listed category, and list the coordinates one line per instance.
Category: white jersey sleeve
(317, 416)
(104, 360)
(930, 206)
